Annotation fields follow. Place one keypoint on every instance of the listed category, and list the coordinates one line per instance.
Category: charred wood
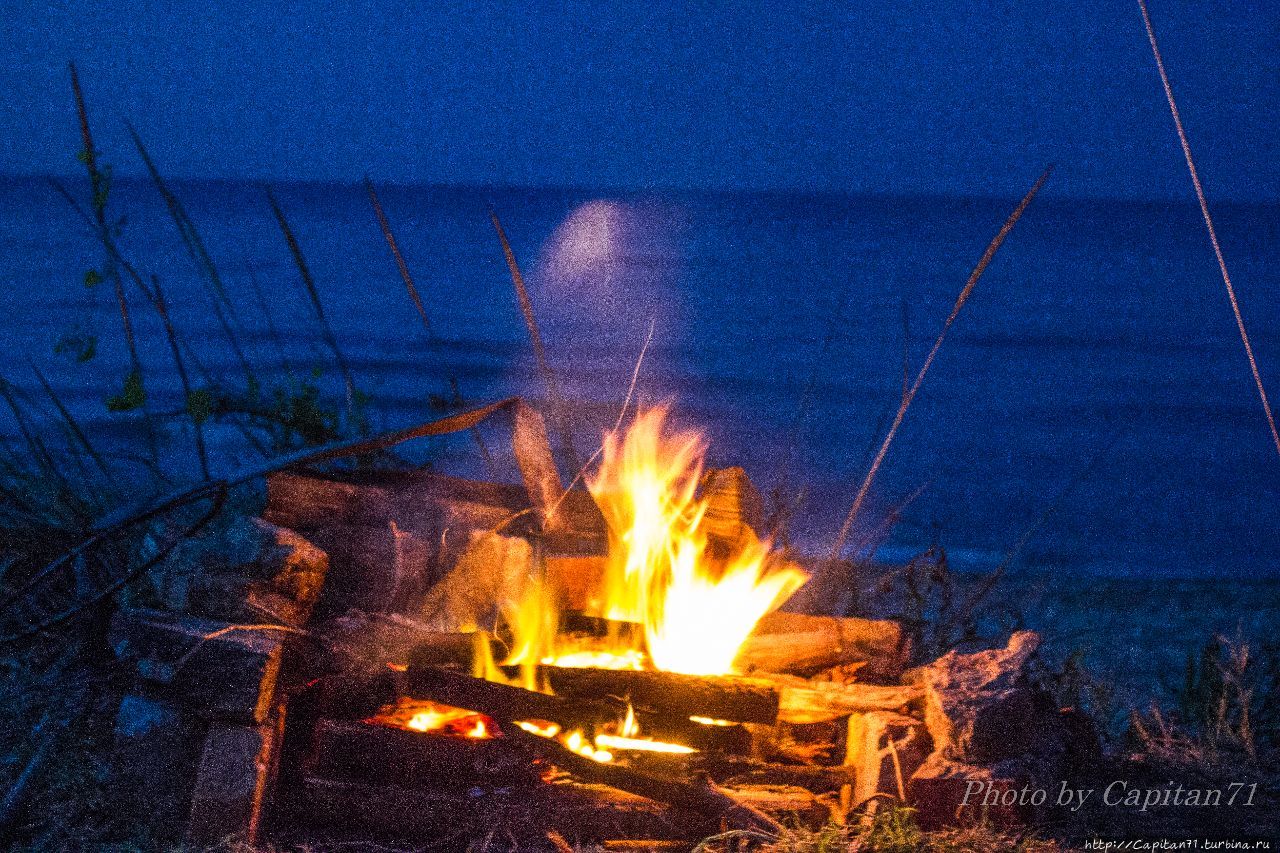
(739, 700)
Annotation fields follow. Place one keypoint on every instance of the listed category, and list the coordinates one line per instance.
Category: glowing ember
(577, 742)
(433, 717)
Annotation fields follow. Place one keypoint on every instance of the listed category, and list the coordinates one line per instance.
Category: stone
(980, 706)
(233, 781)
(157, 744)
(989, 722)
(220, 671)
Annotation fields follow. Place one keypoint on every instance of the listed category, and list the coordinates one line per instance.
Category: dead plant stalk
(978, 270)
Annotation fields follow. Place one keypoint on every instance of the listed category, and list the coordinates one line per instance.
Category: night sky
(897, 97)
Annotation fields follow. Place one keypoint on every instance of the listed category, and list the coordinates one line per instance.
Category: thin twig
(1208, 223)
(992, 248)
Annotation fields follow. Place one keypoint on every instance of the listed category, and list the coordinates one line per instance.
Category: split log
(735, 510)
(357, 751)
(375, 567)
(363, 641)
(220, 671)
(233, 782)
(802, 644)
(504, 702)
(801, 701)
(435, 507)
(739, 700)
(877, 746)
(490, 568)
(451, 817)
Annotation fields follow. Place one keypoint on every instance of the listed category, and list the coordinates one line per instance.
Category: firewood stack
(374, 610)
(814, 726)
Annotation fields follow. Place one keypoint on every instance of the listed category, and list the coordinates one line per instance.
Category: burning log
(735, 771)
(507, 704)
(701, 795)
(802, 644)
(358, 751)
(503, 702)
(729, 698)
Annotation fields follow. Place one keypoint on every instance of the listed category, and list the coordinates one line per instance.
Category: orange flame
(697, 611)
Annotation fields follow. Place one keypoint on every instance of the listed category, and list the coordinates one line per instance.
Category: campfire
(680, 590)
(606, 663)
(652, 656)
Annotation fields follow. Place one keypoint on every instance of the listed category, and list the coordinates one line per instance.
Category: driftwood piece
(220, 671)
(802, 644)
(739, 700)
(358, 751)
(801, 701)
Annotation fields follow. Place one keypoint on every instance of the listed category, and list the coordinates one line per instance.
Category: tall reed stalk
(994, 246)
(99, 187)
(1208, 224)
(554, 398)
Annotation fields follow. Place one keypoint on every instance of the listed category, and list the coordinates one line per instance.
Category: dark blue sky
(884, 97)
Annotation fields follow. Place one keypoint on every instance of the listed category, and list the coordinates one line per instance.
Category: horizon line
(638, 189)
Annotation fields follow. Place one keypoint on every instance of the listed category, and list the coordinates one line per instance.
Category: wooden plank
(801, 701)
(506, 702)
